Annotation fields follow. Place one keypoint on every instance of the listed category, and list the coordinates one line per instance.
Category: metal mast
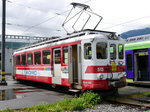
(3, 81)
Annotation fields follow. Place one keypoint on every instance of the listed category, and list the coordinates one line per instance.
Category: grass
(143, 94)
(86, 100)
(146, 94)
(114, 97)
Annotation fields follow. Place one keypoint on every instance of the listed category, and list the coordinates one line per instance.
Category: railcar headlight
(125, 75)
(110, 76)
(101, 76)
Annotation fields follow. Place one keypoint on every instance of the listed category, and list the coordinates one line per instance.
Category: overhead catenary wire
(30, 27)
(130, 21)
(24, 26)
(58, 14)
(44, 21)
(25, 6)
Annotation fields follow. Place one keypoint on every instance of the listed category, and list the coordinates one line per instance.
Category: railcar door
(130, 64)
(75, 66)
(14, 67)
(141, 62)
(56, 79)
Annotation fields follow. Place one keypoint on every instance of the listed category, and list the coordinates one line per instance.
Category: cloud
(23, 15)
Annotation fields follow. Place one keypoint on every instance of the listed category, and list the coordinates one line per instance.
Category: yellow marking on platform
(129, 80)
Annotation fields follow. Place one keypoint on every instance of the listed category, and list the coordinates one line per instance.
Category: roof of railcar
(78, 36)
(138, 42)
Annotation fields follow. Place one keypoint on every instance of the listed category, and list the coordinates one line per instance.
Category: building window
(18, 60)
(87, 51)
(46, 57)
(23, 59)
(30, 59)
(101, 50)
(129, 62)
(65, 49)
(120, 51)
(112, 51)
(37, 58)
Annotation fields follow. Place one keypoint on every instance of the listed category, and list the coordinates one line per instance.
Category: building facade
(14, 42)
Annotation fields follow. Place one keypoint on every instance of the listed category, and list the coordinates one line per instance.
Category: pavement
(16, 95)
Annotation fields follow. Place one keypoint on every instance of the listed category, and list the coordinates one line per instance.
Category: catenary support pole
(3, 81)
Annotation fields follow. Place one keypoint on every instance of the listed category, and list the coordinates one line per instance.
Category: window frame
(114, 51)
(64, 58)
(37, 59)
(106, 51)
(55, 57)
(85, 51)
(17, 60)
(31, 59)
(22, 59)
(46, 58)
(122, 57)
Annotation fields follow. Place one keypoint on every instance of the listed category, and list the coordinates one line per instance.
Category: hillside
(137, 32)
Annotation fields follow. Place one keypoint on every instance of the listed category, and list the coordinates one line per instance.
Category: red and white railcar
(86, 60)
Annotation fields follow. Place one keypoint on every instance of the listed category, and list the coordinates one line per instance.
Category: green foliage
(90, 99)
(7, 110)
(86, 100)
(147, 94)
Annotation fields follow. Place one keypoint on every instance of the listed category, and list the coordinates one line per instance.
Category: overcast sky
(45, 17)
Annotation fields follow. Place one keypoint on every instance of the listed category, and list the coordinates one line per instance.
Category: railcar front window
(101, 50)
(65, 55)
(37, 58)
(87, 51)
(23, 59)
(30, 59)
(18, 60)
(120, 51)
(46, 57)
(112, 51)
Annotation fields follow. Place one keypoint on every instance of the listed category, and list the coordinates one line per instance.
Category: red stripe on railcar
(104, 69)
(65, 82)
(35, 78)
(95, 84)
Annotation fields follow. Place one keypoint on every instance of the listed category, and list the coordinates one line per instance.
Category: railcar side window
(112, 51)
(30, 59)
(129, 62)
(23, 59)
(57, 57)
(65, 49)
(101, 50)
(18, 60)
(46, 57)
(120, 51)
(87, 51)
(37, 58)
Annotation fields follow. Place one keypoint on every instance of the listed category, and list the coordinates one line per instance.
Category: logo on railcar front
(100, 69)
